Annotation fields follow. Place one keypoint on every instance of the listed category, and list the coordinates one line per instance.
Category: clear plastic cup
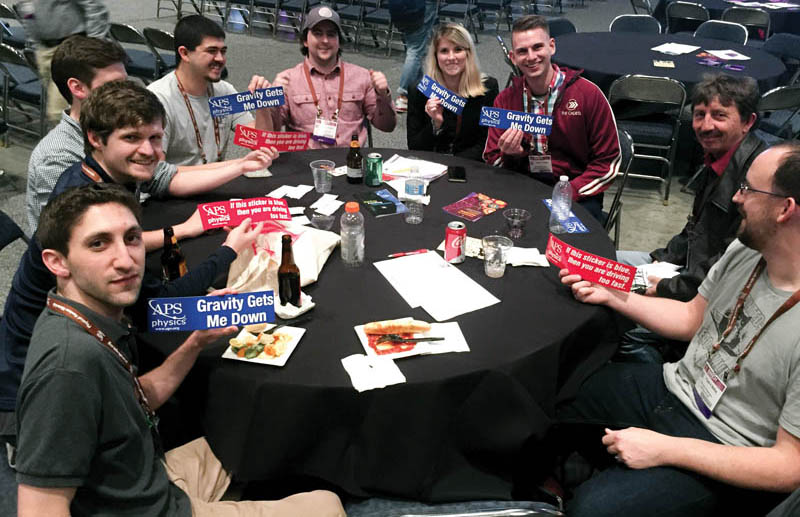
(495, 251)
(321, 170)
(414, 213)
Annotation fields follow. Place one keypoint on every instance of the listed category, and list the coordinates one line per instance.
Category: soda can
(455, 242)
(374, 173)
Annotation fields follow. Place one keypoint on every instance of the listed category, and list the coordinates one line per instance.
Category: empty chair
(379, 20)
(11, 30)
(264, 12)
(23, 93)
(614, 215)
(351, 16)
(662, 99)
(500, 8)
(723, 31)
(755, 20)
(780, 114)
(635, 23)
(685, 16)
(787, 48)
(143, 60)
(160, 40)
(559, 26)
(642, 5)
(294, 11)
(462, 11)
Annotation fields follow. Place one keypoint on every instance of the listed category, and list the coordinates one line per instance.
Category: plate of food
(405, 337)
(255, 344)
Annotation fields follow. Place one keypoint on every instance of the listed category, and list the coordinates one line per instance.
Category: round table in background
(781, 20)
(605, 56)
(456, 429)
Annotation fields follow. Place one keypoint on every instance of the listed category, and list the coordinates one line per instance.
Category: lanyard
(548, 106)
(314, 92)
(91, 173)
(737, 309)
(197, 136)
(102, 338)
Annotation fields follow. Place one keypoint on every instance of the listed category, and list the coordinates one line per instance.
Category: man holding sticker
(88, 432)
(583, 140)
(328, 97)
(720, 428)
(194, 141)
(122, 126)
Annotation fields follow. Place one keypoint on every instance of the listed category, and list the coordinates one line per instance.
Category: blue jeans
(416, 45)
(624, 395)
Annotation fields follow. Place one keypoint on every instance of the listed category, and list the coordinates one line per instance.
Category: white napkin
(299, 191)
(370, 372)
(399, 186)
(526, 257)
(297, 210)
(289, 311)
(301, 219)
(339, 171)
(659, 269)
(260, 173)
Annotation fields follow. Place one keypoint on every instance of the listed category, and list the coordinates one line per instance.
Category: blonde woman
(452, 62)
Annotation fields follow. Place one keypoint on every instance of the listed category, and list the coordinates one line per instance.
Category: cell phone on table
(456, 173)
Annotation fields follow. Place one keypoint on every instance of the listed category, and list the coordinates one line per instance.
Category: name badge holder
(540, 163)
(325, 129)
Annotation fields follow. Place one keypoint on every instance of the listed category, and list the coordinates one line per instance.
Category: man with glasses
(723, 113)
(719, 430)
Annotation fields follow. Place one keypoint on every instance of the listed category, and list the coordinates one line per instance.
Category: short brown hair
(63, 212)
(739, 91)
(81, 57)
(116, 105)
(531, 22)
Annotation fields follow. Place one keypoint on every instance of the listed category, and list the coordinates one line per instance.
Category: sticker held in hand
(282, 141)
(498, 118)
(450, 100)
(593, 268)
(208, 312)
(246, 101)
(232, 213)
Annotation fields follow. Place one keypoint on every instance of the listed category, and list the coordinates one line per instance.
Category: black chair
(464, 12)
(780, 114)
(501, 9)
(176, 6)
(613, 217)
(378, 20)
(787, 48)
(294, 12)
(142, 59)
(635, 23)
(12, 31)
(264, 12)
(642, 5)
(649, 108)
(515, 72)
(9, 231)
(397, 508)
(685, 17)
(23, 93)
(351, 15)
(244, 10)
(723, 31)
(559, 26)
(159, 40)
(755, 20)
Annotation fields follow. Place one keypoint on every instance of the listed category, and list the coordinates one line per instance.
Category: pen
(404, 253)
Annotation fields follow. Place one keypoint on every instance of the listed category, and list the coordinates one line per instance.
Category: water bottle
(414, 185)
(351, 230)
(561, 205)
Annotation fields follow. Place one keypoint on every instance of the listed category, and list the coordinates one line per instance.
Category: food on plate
(399, 326)
(390, 347)
(256, 328)
(261, 345)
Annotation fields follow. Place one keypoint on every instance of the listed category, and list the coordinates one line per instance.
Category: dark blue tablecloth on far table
(781, 20)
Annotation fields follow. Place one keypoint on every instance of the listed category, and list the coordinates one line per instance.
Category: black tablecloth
(781, 20)
(605, 56)
(456, 428)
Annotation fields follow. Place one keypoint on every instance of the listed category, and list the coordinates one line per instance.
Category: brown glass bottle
(173, 263)
(288, 275)
(355, 171)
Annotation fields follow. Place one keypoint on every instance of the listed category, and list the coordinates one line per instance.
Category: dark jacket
(711, 227)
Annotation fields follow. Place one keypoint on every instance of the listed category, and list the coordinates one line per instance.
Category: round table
(605, 56)
(781, 20)
(455, 430)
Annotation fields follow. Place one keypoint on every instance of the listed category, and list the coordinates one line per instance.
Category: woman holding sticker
(451, 62)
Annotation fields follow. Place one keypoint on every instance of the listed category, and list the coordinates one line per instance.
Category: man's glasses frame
(744, 188)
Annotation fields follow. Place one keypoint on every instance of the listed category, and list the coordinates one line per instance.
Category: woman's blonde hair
(471, 84)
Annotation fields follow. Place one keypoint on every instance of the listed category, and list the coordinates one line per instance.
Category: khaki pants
(196, 471)
(55, 102)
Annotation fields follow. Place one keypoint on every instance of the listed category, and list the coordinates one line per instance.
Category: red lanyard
(197, 136)
(527, 98)
(314, 92)
(737, 309)
(100, 336)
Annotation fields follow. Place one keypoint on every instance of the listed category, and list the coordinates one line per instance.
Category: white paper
(323, 199)
(299, 191)
(454, 341)
(526, 257)
(297, 210)
(279, 192)
(371, 372)
(330, 207)
(728, 55)
(339, 171)
(400, 167)
(301, 219)
(675, 49)
(658, 269)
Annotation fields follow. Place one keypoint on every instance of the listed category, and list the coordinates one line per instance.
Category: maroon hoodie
(583, 142)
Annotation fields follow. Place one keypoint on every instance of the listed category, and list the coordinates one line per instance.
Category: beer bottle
(355, 173)
(173, 263)
(288, 275)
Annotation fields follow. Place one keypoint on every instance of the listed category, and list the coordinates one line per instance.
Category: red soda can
(455, 242)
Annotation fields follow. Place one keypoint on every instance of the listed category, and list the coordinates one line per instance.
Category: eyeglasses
(744, 188)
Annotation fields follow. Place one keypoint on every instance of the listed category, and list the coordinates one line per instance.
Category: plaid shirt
(540, 141)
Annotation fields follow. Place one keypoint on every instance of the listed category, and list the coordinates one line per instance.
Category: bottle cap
(564, 178)
(351, 206)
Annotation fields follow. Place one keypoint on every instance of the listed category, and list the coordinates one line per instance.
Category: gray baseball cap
(319, 14)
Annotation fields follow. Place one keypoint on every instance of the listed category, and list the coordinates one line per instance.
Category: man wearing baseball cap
(328, 97)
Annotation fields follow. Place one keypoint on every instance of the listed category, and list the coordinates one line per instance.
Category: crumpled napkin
(526, 257)
(289, 311)
(371, 372)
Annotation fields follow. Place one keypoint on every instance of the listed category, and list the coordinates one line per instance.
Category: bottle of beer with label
(173, 263)
(355, 172)
(288, 275)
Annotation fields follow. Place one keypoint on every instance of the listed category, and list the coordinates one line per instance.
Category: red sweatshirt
(583, 142)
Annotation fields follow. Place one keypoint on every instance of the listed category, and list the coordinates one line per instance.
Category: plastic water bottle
(561, 205)
(351, 230)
